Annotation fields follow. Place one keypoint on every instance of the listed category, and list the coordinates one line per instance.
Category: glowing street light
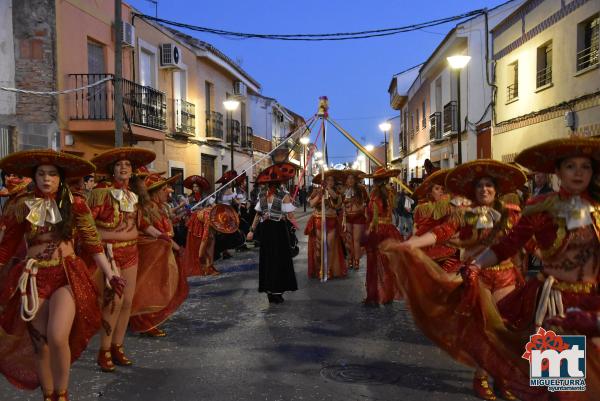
(305, 140)
(318, 155)
(369, 148)
(457, 63)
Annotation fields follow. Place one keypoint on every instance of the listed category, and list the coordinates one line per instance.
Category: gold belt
(48, 263)
(385, 221)
(500, 266)
(122, 244)
(579, 287)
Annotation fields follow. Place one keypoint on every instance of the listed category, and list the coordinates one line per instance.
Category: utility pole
(118, 82)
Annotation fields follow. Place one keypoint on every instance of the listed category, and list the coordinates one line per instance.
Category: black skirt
(275, 267)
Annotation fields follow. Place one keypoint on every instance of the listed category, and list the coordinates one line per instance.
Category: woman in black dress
(274, 210)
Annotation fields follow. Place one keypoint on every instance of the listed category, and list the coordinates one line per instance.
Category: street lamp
(458, 63)
(318, 155)
(304, 141)
(385, 127)
(231, 105)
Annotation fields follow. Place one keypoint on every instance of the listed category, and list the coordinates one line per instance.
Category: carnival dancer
(161, 285)
(336, 263)
(275, 210)
(115, 210)
(566, 228)
(434, 209)
(380, 285)
(230, 196)
(354, 219)
(49, 302)
(445, 308)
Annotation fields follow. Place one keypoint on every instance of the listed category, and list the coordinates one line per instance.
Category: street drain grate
(359, 374)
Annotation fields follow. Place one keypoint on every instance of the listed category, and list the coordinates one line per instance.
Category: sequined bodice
(580, 258)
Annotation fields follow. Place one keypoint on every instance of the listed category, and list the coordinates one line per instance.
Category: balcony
(587, 57)
(234, 128)
(450, 120)
(185, 117)
(512, 92)
(247, 137)
(92, 109)
(214, 126)
(435, 129)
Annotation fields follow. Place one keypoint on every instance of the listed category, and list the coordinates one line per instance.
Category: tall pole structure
(458, 127)
(304, 179)
(118, 75)
(231, 133)
(323, 111)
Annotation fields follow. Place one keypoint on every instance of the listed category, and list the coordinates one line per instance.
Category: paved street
(228, 343)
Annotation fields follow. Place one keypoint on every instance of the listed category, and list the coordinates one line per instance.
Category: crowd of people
(481, 258)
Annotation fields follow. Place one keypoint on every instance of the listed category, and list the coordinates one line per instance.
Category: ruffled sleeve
(287, 207)
(86, 227)
(13, 235)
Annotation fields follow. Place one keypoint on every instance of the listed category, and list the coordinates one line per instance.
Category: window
(544, 65)
(588, 38)
(512, 90)
(98, 97)
(412, 124)
(147, 68)
(417, 120)
(424, 122)
(209, 95)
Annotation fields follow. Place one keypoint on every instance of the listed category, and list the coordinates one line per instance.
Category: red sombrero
(156, 181)
(14, 185)
(357, 173)
(230, 175)
(224, 219)
(276, 173)
(436, 178)
(137, 156)
(25, 162)
(338, 176)
(543, 157)
(383, 173)
(462, 179)
(196, 179)
(144, 172)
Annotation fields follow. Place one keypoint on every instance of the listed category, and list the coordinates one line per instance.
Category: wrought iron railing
(185, 117)
(235, 129)
(247, 137)
(512, 92)
(214, 125)
(587, 57)
(142, 105)
(544, 76)
(450, 120)
(435, 126)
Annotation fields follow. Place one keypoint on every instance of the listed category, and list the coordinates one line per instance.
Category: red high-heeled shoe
(118, 355)
(105, 361)
(48, 396)
(481, 387)
(62, 395)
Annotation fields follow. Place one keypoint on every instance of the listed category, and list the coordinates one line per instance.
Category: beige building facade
(547, 73)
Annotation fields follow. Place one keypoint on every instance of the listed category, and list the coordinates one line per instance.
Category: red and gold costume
(15, 187)
(444, 306)
(198, 256)
(35, 216)
(161, 285)
(355, 201)
(381, 288)
(335, 254)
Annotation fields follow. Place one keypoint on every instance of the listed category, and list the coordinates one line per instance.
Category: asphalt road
(228, 343)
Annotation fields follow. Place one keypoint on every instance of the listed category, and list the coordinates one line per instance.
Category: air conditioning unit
(128, 35)
(170, 56)
(239, 88)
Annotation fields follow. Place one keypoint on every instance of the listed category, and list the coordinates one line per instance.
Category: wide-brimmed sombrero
(543, 157)
(196, 179)
(156, 181)
(463, 179)
(338, 176)
(356, 173)
(230, 175)
(144, 172)
(25, 162)
(436, 178)
(137, 156)
(383, 173)
(279, 172)
(224, 219)
(14, 185)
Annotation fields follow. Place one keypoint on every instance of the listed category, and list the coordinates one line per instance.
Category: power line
(316, 36)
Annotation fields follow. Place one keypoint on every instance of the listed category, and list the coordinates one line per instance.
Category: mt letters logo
(556, 362)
